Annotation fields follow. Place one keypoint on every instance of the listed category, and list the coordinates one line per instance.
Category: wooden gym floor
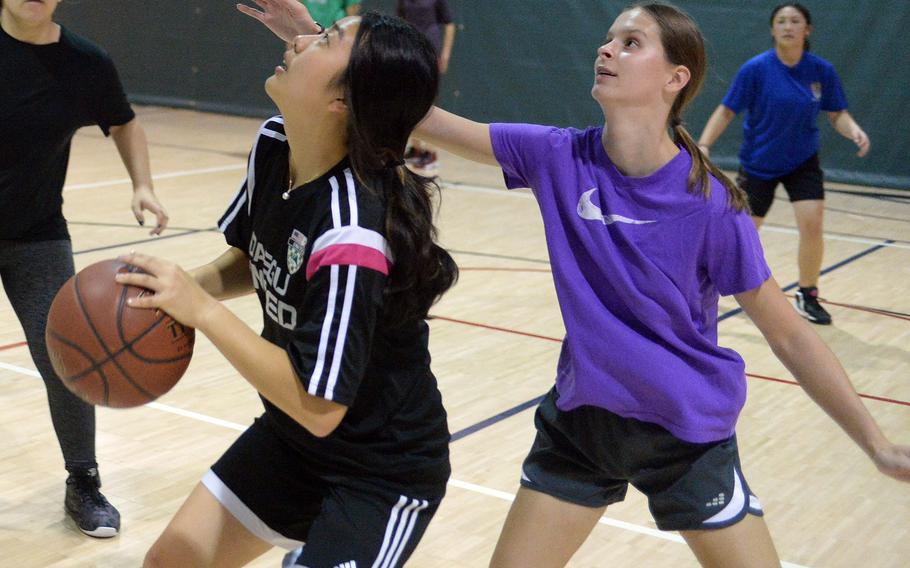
(495, 341)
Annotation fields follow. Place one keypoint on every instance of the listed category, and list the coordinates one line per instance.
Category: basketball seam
(128, 345)
(111, 357)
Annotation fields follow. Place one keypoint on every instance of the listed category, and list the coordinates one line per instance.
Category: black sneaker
(807, 305)
(93, 514)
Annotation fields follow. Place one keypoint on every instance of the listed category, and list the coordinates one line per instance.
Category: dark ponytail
(390, 84)
(684, 45)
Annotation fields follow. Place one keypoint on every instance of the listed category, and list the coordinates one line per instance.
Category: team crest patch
(816, 90)
(296, 245)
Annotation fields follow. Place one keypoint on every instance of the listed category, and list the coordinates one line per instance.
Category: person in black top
(335, 236)
(53, 82)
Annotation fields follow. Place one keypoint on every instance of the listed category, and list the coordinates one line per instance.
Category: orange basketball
(108, 353)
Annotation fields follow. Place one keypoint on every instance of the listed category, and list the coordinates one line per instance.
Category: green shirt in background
(327, 12)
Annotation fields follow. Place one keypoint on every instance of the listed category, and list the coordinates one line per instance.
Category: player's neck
(637, 146)
(314, 150)
(37, 34)
(789, 56)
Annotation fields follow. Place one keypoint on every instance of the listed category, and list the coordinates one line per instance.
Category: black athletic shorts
(280, 496)
(804, 183)
(589, 456)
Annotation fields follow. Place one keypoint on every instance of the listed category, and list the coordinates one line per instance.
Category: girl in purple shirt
(644, 234)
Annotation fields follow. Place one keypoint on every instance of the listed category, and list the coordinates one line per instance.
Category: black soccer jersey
(320, 264)
(47, 92)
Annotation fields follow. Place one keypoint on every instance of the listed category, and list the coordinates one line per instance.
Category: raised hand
(286, 18)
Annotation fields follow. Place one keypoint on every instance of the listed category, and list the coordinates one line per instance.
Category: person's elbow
(323, 417)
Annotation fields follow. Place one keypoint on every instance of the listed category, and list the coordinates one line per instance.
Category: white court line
(503, 495)
(184, 173)
(526, 194)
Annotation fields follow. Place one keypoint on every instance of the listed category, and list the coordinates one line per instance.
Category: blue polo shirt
(780, 131)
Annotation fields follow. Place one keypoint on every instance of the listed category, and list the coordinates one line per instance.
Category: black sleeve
(331, 348)
(109, 104)
(235, 222)
(347, 268)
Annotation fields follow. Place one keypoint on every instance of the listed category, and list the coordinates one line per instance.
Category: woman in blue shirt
(783, 90)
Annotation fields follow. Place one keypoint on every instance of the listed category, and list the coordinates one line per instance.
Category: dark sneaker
(807, 305)
(93, 514)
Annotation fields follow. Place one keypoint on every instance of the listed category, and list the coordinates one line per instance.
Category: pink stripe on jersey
(348, 254)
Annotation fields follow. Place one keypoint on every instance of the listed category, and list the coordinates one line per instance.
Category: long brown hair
(684, 45)
(389, 85)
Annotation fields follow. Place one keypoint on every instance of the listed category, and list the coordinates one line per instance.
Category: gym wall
(528, 61)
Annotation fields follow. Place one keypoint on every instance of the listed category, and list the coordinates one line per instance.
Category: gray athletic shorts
(589, 456)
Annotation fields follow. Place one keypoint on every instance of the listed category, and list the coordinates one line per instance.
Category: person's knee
(154, 558)
(169, 552)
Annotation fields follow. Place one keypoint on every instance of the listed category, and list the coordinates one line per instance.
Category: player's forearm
(456, 134)
(717, 124)
(843, 123)
(268, 369)
(448, 40)
(132, 145)
(825, 381)
(227, 276)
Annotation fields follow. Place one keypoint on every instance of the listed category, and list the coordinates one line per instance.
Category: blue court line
(483, 424)
(494, 419)
(833, 267)
(143, 241)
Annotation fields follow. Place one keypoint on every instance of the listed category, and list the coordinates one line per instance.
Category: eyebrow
(631, 31)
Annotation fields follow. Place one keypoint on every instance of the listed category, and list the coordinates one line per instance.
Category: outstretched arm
(843, 122)
(719, 121)
(286, 18)
(466, 138)
(821, 375)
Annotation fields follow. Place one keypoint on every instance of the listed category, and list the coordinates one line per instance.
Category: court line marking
(480, 489)
(526, 194)
(184, 173)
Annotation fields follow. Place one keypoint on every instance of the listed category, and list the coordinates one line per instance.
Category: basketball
(108, 353)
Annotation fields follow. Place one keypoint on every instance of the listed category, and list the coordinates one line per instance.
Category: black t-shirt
(47, 92)
(320, 263)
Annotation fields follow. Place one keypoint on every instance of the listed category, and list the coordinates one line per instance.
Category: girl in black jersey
(350, 459)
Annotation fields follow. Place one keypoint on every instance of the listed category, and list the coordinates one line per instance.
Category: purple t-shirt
(638, 265)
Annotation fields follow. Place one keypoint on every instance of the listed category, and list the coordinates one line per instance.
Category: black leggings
(32, 272)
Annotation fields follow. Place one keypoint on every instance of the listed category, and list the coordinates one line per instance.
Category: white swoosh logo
(587, 210)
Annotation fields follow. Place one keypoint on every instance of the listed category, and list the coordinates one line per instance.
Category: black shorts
(280, 496)
(804, 183)
(589, 456)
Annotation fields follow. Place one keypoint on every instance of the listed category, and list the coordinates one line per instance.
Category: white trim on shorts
(737, 503)
(244, 514)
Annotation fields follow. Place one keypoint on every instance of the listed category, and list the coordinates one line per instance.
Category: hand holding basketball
(175, 291)
(107, 353)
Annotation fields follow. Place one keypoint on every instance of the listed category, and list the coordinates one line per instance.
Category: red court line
(877, 311)
(494, 328)
(11, 345)
(752, 375)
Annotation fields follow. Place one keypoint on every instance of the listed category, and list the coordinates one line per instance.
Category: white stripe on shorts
(736, 504)
(398, 531)
(244, 514)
